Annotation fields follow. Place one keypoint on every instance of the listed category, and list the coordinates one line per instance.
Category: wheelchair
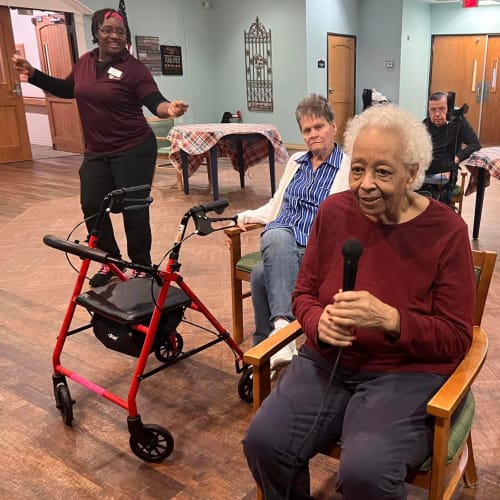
(440, 181)
(138, 317)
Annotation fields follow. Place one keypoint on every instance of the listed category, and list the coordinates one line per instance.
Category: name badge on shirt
(114, 74)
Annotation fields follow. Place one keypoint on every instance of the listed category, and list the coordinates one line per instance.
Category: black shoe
(102, 277)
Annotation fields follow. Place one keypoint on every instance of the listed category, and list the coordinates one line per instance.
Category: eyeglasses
(438, 110)
(107, 30)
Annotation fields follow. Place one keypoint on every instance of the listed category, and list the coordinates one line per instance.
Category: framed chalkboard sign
(171, 60)
(147, 52)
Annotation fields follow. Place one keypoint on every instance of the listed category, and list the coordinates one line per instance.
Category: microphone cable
(351, 251)
(296, 458)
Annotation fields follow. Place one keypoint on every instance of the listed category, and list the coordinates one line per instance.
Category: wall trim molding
(295, 147)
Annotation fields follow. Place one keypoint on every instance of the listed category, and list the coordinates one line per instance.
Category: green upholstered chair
(452, 457)
(240, 267)
(161, 127)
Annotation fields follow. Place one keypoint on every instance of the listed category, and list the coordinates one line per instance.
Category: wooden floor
(196, 400)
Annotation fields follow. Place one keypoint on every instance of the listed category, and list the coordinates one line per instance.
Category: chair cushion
(456, 190)
(458, 432)
(248, 261)
(477, 274)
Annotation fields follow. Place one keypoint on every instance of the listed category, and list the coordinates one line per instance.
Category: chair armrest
(234, 241)
(259, 357)
(446, 400)
(235, 231)
(262, 352)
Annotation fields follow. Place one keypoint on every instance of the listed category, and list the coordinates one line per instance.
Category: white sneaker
(284, 356)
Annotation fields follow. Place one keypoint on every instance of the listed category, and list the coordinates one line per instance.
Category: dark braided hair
(98, 18)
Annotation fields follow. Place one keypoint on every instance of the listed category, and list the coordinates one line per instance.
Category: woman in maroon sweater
(111, 87)
(373, 356)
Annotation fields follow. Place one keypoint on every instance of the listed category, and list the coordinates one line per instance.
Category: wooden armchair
(457, 196)
(452, 457)
(241, 267)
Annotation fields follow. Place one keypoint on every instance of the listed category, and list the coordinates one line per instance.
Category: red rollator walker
(138, 317)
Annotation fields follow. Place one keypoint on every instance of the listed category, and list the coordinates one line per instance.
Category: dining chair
(457, 196)
(452, 456)
(161, 127)
(240, 268)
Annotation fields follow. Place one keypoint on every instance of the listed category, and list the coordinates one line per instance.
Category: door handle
(474, 75)
(331, 90)
(486, 91)
(494, 74)
(47, 58)
(17, 91)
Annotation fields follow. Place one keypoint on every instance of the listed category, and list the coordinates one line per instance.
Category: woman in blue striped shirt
(308, 179)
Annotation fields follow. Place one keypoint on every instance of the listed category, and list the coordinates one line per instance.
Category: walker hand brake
(203, 223)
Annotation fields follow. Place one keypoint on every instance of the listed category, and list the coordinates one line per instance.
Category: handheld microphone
(351, 250)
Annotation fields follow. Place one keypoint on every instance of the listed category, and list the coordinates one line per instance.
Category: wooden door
(489, 132)
(341, 79)
(457, 65)
(14, 138)
(57, 60)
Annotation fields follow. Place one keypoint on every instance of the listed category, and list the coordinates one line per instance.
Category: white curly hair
(417, 141)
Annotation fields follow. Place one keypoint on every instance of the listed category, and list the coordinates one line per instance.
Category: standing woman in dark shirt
(110, 87)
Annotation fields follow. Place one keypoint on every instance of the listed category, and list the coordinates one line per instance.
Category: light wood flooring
(196, 400)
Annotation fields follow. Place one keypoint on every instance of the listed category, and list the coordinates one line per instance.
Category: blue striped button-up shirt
(306, 191)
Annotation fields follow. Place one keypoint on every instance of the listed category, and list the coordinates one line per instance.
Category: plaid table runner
(487, 158)
(197, 140)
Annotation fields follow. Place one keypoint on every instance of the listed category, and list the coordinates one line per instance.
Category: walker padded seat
(130, 301)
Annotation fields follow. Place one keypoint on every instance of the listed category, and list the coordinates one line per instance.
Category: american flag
(121, 8)
(123, 11)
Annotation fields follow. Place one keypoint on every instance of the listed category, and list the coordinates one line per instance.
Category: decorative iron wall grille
(259, 68)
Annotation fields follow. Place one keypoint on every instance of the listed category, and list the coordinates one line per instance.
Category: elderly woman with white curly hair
(374, 355)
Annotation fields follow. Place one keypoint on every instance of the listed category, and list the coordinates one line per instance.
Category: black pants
(101, 174)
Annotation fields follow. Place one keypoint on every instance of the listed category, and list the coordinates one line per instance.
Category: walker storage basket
(123, 338)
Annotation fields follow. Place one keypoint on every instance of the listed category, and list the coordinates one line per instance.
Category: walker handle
(131, 189)
(71, 247)
(217, 206)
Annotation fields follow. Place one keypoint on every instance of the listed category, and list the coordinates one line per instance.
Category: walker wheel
(64, 403)
(171, 348)
(159, 445)
(245, 385)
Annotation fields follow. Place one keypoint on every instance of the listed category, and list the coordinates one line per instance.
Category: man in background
(453, 141)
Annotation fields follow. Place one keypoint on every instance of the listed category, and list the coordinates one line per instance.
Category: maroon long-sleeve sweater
(422, 267)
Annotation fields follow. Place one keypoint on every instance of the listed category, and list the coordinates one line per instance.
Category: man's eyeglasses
(438, 110)
(107, 30)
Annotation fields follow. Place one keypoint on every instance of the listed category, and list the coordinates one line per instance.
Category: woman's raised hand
(22, 65)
